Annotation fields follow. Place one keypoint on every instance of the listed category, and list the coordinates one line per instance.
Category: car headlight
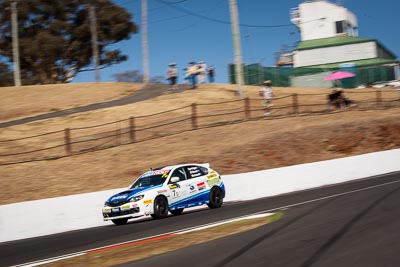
(136, 198)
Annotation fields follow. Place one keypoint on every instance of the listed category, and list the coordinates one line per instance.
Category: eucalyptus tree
(55, 37)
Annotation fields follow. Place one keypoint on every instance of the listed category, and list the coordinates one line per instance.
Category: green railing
(255, 74)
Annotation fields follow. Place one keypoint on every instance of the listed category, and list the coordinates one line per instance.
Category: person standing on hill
(266, 92)
(193, 71)
(172, 76)
(202, 71)
(211, 73)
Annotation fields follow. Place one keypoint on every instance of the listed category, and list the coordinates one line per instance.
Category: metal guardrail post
(378, 98)
(132, 134)
(247, 107)
(194, 116)
(67, 137)
(295, 103)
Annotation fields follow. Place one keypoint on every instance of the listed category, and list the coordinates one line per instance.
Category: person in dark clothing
(211, 73)
(337, 99)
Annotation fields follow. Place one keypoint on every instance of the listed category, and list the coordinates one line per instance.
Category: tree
(55, 38)
(134, 76)
(6, 76)
(157, 79)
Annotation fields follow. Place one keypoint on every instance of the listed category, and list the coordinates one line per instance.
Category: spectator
(202, 72)
(337, 99)
(211, 73)
(186, 78)
(266, 93)
(172, 76)
(193, 71)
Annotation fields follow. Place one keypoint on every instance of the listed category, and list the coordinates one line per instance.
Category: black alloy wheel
(160, 208)
(216, 198)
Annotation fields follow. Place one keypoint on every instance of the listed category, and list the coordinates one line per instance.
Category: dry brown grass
(235, 148)
(26, 101)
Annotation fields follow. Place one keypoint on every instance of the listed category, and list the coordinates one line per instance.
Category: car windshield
(151, 178)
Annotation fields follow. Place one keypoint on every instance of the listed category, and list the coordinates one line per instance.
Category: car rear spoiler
(207, 165)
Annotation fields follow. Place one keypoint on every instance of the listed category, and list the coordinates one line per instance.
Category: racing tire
(120, 221)
(216, 198)
(160, 208)
(176, 212)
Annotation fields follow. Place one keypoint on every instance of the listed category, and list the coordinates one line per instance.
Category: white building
(322, 19)
(329, 40)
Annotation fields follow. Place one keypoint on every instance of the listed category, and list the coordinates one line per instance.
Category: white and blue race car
(166, 189)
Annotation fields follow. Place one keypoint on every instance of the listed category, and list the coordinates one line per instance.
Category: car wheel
(216, 198)
(176, 212)
(120, 221)
(160, 208)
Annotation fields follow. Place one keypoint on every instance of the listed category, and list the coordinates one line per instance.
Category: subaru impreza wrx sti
(166, 189)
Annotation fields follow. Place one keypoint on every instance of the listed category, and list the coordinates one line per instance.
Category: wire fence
(74, 141)
(365, 76)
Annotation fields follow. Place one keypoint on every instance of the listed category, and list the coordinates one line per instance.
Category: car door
(178, 191)
(197, 184)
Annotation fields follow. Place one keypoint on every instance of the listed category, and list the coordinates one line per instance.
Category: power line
(208, 10)
(178, 2)
(188, 12)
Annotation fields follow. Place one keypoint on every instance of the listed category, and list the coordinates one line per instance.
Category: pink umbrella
(338, 75)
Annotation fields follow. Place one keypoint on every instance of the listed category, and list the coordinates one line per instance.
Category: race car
(166, 189)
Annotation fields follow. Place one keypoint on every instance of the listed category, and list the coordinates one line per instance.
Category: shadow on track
(249, 246)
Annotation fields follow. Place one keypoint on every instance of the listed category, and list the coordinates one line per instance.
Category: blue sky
(179, 37)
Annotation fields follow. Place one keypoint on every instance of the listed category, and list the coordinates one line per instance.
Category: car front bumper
(129, 210)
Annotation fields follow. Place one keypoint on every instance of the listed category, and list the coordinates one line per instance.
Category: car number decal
(175, 193)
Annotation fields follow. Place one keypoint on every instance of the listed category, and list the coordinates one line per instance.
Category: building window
(340, 26)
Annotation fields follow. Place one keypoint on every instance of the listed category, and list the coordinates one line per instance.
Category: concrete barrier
(61, 214)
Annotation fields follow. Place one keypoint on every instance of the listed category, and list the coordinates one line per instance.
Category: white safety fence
(61, 214)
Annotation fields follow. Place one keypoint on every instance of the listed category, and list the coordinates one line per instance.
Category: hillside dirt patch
(233, 148)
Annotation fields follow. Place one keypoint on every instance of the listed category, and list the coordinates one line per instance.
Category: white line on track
(330, 196)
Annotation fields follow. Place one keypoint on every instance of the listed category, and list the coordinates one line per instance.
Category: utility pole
(15, 43)
(237, 48)
(145, 43)
(95, 48)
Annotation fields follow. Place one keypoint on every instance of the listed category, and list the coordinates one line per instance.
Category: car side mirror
(174, 179)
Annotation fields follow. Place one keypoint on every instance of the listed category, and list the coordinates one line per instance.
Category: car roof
(169, 167)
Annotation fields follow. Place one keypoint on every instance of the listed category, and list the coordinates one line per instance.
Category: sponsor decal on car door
(178, 190)
(198, 183)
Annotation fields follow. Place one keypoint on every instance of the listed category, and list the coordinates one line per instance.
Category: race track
(351, 224)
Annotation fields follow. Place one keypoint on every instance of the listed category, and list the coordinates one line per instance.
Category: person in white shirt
(172, 76)
(193, 71)
(267, 94)
(202, 71)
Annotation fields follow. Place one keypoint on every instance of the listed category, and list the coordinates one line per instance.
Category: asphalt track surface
(350, 224)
